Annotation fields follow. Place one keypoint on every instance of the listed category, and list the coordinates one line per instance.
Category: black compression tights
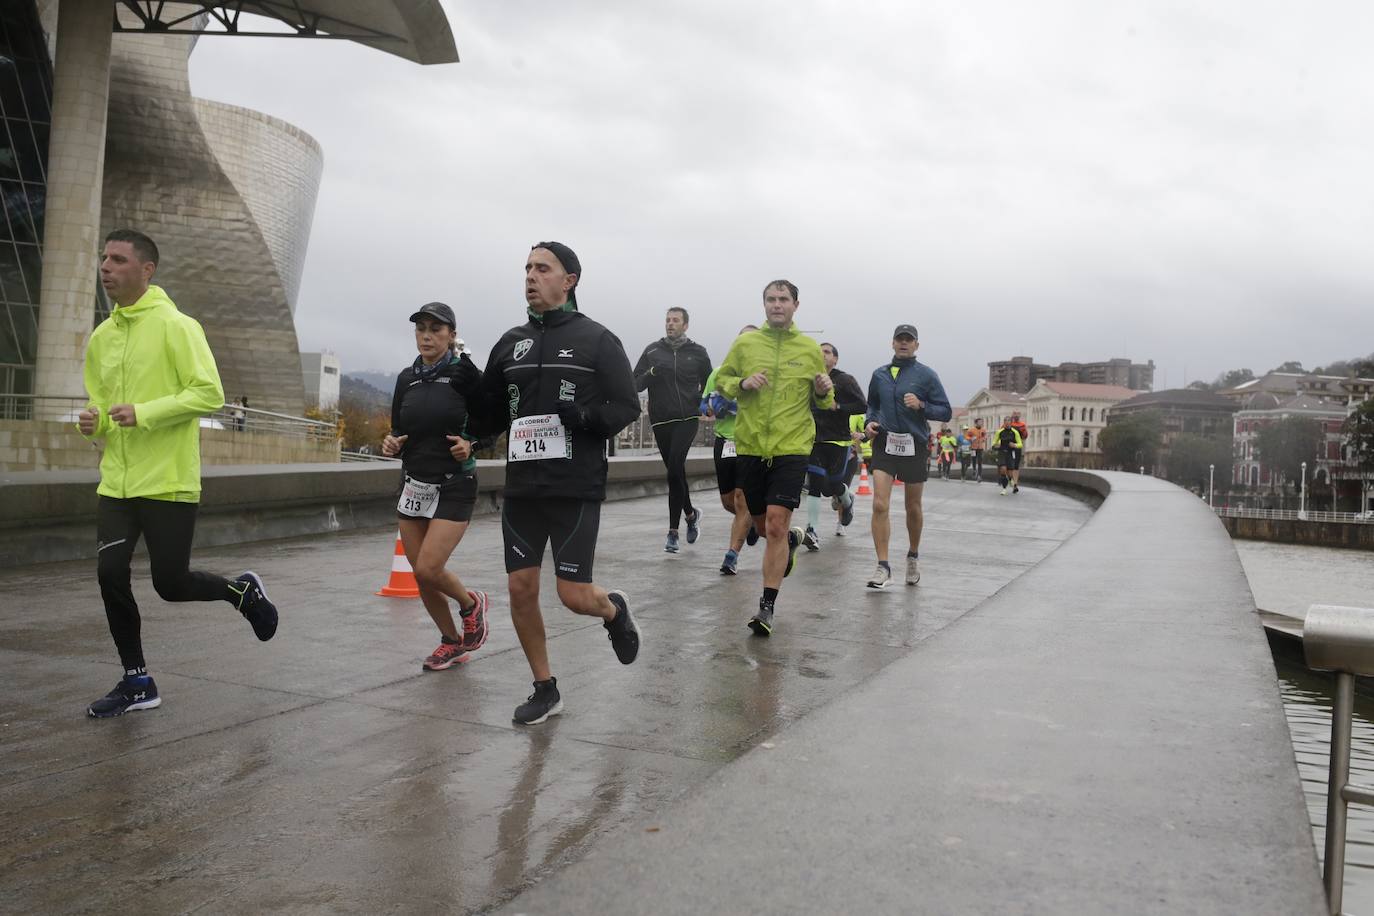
(674, 439)
(169, 528)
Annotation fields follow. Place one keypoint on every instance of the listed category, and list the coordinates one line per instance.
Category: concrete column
(71, 236)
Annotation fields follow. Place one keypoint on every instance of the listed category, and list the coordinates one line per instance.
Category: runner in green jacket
(776, 374)
(150, 377)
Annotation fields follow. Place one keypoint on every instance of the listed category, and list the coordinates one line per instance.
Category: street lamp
(1302, 497)
(1211, 475)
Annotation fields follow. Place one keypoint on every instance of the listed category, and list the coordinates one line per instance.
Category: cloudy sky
(1183, 182)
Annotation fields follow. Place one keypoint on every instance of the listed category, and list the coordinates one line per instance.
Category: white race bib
(903, 445)
(537, 438)
(418, 500)
(727, 448)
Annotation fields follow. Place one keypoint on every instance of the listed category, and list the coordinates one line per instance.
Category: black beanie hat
(568, 258)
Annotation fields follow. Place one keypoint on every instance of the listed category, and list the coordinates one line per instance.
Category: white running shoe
(913, 571)
(880, 576)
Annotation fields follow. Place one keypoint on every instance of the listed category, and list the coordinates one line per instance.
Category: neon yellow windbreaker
(776, 419)
(152, 356)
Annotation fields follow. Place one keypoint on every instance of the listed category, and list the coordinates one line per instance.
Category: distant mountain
(382, 381)
(355, 389)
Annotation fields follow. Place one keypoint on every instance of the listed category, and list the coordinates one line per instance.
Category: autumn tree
(1131, 441)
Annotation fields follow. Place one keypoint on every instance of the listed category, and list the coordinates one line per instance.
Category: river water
(1286, 579)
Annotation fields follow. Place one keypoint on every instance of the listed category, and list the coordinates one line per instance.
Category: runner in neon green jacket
(776, 419)
(150, 376)
(150, 355)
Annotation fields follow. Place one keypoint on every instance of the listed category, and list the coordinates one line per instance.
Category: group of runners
(559, 386)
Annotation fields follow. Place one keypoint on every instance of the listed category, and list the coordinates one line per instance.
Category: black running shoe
(794, 540)
(541, 704)
(752, 537)
(693, 523)
(847, 511)
(762, 622)
(254, 606)
(127, 696)
(810, 539)
(623, 632)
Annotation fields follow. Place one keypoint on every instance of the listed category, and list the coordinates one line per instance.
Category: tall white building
(320, 374)
(1065, 420)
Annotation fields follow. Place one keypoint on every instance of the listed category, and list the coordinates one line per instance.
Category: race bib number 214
(537, 438)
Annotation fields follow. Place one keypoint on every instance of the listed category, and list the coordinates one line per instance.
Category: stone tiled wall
(50, 446)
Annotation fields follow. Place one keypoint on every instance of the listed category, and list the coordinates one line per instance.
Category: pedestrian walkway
(325, 771)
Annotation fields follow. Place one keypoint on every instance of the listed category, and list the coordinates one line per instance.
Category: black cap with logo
(908, 329)
(436, 310)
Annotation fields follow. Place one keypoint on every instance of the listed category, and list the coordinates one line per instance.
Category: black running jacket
(560, 360)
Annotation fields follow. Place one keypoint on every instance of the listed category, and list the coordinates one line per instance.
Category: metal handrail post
(1333, 870)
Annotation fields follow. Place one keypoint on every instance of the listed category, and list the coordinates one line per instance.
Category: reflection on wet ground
(324, 772)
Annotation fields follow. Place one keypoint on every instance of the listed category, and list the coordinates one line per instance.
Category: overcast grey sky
(1174, 181)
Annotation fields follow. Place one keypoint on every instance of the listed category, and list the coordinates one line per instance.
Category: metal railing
(1308, 515)
(245, 419)
(365, 456)
(1340, 640)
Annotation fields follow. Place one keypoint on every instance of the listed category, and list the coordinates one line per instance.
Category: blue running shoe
(128, 695)
(727, 566)
(670, 545)
(253, 605)
(693, 521)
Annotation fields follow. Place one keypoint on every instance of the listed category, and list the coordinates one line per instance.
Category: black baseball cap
(436, 310)
(907, 329)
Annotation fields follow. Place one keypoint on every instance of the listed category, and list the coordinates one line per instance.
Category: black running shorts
(1010, 459)
(457, 499)
(727, 469)
(771, 481)
(828, 467)
(913, 469)
(570, 525)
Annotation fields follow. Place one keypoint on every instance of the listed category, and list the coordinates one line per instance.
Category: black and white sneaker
(622, 631)
(810, 539)
(544, 702)
(752, 537)
(254, 605)
(127, 696)
(762, 622)
(693, 525)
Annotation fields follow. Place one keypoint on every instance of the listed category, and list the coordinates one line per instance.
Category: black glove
(574, 417)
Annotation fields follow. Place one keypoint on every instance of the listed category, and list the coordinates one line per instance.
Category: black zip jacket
(427, 410)
(561, 363)
(675, 379)
(833, 425)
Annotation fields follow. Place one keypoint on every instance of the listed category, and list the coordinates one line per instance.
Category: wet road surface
(324, 772)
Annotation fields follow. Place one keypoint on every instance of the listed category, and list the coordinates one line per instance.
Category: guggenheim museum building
(100, 130)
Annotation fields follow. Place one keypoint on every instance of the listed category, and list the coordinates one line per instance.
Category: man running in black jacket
(561, 384)
(674, 369)
(834, 449)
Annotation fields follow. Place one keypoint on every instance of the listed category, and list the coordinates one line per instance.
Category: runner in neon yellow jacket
(776, 419)
(152, 356)
(150, 376)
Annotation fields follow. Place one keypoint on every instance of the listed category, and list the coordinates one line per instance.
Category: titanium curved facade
(229, 202)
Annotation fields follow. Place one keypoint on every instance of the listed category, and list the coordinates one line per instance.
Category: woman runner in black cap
(429, 431)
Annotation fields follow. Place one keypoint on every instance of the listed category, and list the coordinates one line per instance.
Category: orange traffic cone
(864, 488)
(402, 583)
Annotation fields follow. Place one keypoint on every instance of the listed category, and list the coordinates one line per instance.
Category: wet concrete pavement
(324, 772)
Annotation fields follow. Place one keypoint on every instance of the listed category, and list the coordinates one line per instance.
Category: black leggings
(169, 528)
(674, 439)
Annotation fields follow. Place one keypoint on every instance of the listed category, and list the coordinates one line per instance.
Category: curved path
(323, 771)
